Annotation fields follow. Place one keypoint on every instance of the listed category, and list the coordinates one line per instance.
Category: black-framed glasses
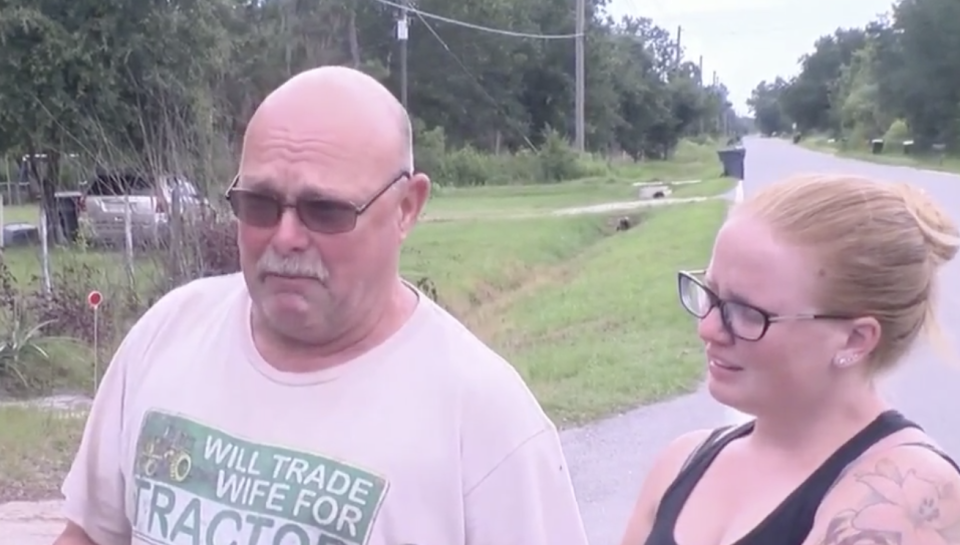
(740, 320)
(318, 214)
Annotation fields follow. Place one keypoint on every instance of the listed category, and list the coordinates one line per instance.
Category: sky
(747, 41)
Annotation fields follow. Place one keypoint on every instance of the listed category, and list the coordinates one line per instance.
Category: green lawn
(707, 188)
(605, 332)
(25, 213)
(690, 161)
(36, 449)
(587, 314)
(500, 201)
(514, 199)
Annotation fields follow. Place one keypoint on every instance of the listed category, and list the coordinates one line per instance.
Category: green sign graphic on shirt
(196, 485)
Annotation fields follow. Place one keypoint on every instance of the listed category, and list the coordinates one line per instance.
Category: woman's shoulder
(679, 452)
(668, 463)
(907, 494)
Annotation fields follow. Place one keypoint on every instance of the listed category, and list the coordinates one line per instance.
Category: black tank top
(791, 521)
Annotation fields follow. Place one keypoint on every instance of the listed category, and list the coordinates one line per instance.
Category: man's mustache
(300, 264)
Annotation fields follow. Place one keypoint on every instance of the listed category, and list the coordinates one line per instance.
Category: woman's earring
(844, 361)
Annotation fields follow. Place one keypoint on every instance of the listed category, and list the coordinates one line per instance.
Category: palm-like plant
(19, 340)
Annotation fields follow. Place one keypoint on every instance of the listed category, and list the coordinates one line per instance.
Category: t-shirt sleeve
(527, 499)
(94, 488)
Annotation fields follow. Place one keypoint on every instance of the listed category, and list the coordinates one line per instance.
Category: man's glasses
(320, 215)
(741, 320)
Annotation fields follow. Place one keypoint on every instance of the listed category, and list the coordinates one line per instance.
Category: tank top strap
(693, 469)
(712, 438)
(936, 450)
(823, 479)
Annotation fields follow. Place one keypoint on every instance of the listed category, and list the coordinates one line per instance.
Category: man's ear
(416, 193)
(862, 340)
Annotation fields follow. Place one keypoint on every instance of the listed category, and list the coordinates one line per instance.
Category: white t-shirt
(428, 439)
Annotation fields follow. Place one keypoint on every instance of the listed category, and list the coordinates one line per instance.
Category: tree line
(171, 83)
(898, 78)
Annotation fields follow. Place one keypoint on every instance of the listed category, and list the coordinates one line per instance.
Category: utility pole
(403, 31)
(700, 84)
(679, 48)
(720, 124)
(581, 88)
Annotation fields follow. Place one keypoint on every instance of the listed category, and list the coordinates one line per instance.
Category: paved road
(608, 459)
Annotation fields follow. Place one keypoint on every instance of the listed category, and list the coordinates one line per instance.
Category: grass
(24, 213)
(24, 264)
(893, 155)
(586, 313)
(613, 181)
(589, 316)
(36, 449)
(706, 188)
(500, 201)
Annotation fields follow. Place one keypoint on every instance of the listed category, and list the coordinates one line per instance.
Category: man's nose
(291, 234)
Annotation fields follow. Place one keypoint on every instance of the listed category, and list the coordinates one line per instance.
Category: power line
(426, 15)
(469, 74)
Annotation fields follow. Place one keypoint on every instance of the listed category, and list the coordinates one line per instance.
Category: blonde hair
(880, 247)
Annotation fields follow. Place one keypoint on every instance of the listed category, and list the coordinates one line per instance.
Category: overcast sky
(747, 41)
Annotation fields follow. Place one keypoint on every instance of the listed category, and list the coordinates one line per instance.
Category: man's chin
(280, 304)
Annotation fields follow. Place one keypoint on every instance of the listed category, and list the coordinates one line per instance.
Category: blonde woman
(816, 286)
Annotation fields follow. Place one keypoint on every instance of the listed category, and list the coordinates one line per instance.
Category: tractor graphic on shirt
(169, 453)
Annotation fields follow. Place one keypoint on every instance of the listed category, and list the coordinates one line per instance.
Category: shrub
(208, 247)
(467, 166)
(897, 133)
(557, 159)
(20, 352)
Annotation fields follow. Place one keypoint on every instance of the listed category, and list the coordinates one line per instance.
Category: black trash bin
(733, 162)
(908, 147)
(68, 213)
(876, 146)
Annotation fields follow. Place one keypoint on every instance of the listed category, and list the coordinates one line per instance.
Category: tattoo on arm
(900, 508)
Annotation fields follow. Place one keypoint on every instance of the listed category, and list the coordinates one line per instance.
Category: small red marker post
(94, 298)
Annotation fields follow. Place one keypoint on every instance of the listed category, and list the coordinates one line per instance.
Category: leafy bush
(897, 133)
(20, 351)
(557, 159)
(208, 248)
(467, 166)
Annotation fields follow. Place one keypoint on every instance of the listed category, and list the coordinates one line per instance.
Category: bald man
(317, 398)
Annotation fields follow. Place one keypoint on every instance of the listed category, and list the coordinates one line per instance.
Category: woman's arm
(907, 495)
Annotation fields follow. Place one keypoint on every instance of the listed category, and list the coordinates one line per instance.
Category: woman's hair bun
(939, 231)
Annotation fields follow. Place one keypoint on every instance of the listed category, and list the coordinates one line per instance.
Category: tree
(899, 69)
(167, 86)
